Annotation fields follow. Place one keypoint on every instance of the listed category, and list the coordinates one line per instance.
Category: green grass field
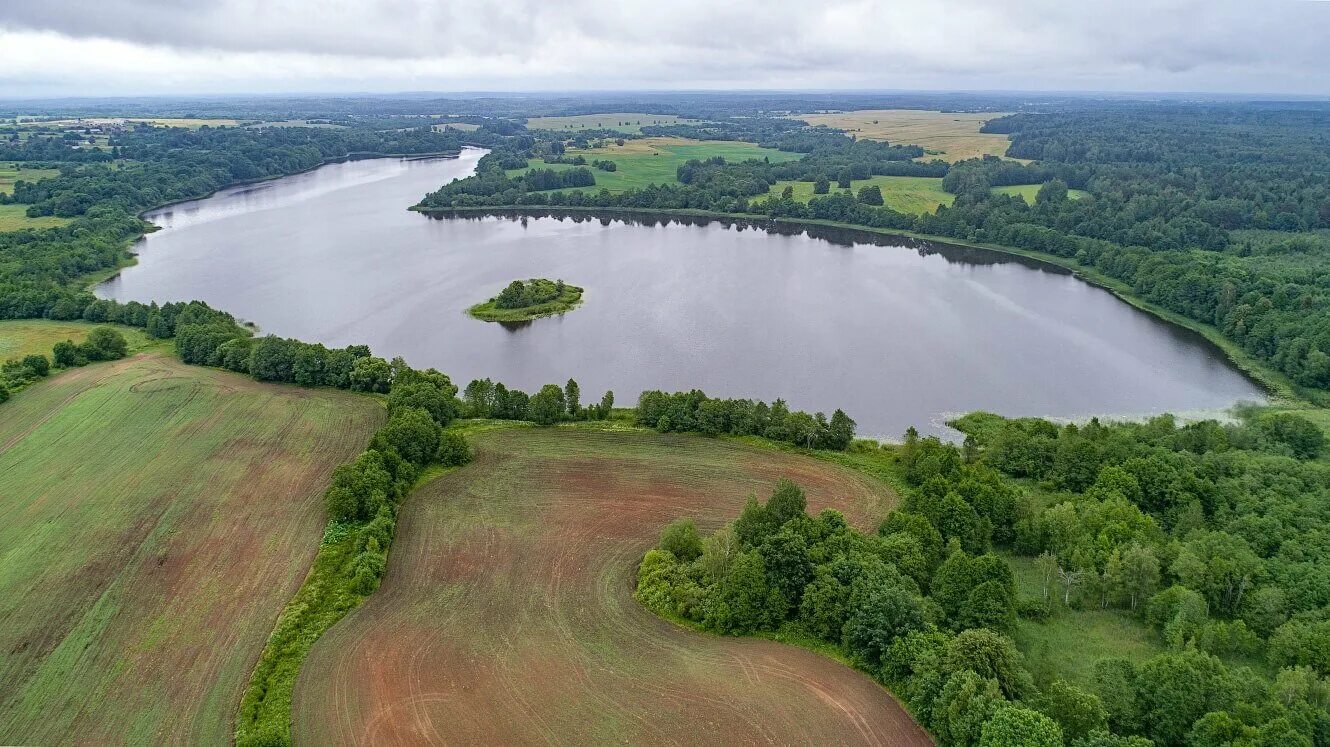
(626, 122)
(656, 160)
(1028, 192)
(36, 336)
(11, 172)
(507, 612)
(157, 518)
(15, 218)
(908, 194)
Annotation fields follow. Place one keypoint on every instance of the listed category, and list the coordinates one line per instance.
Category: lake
(896, 332)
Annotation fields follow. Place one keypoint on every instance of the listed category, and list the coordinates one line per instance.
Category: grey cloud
(1217, 44)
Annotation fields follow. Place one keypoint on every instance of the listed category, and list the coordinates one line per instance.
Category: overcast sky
(92, 47)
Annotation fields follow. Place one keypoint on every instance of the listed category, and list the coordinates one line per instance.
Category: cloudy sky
(91, 47)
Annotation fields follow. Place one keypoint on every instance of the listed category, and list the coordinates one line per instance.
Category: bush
(38, 364)
(68, 355)
(454, 451)
(104, 344)
(412, 434)
(681, 540)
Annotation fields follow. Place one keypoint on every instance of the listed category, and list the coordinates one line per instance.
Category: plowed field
(157, 517)
(507, 615)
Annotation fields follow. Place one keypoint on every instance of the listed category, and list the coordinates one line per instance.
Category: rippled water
(895, 332)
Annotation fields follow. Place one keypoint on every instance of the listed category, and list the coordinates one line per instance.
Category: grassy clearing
(15, 218)
(11, 172)
(36, 336)
(656, 160)
(1028, 192)
(626, 122)
(157, 518)
(949, 136)
(506, 614)
(908, 194)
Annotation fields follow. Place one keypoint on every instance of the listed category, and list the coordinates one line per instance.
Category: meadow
(507, 614)
(11, 172)
(656, 160)
(950, 136)
(15, 218)
(157, 518)
(627, 122)
(36, 336)
(1028, 192)
(908, 194)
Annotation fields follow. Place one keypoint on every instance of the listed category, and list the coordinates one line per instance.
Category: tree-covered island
(531, 299)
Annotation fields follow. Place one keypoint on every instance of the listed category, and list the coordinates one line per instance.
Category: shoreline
(1278, 388)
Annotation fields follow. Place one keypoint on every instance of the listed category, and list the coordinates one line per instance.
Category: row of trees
(487, 399)
(694, 411)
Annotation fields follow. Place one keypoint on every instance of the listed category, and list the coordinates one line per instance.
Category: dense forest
(1212, 535)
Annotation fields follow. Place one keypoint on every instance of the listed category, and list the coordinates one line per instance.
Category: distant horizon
(70, 48)
(619, 92)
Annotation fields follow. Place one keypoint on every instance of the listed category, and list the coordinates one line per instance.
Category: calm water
(894, 334)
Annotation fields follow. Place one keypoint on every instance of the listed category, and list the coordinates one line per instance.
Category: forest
(1211, 535)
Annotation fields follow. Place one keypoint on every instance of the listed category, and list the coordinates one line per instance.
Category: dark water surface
(894, 334)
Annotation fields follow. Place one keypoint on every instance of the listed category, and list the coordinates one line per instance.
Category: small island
(524, 301)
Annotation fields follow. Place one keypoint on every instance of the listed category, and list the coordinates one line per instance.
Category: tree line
(695, 412)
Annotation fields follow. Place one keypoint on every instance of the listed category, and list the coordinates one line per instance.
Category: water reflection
(897, 331)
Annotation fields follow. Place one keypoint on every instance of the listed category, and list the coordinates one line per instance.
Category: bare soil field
(507, 615)
(157, 518)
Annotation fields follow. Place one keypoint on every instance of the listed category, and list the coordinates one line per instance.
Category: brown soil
(507, 613)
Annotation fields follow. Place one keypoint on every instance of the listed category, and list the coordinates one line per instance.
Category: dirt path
(507, 613)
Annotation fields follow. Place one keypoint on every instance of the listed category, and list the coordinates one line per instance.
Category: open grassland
(37, 336)
(507, 615)
(656, 160)
(15, 218)
(1028, 192)
(626, 122)
(11, 172)
(157, 518)
(908, 194)
(950, 136)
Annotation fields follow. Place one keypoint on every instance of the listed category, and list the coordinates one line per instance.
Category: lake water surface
(896, 332)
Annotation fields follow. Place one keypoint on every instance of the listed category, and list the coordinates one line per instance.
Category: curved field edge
(488, 312)
(158, 517)
(507, 611)
(326, 595)
(1280, 387)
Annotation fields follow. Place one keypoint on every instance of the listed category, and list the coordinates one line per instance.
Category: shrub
(454, 451)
